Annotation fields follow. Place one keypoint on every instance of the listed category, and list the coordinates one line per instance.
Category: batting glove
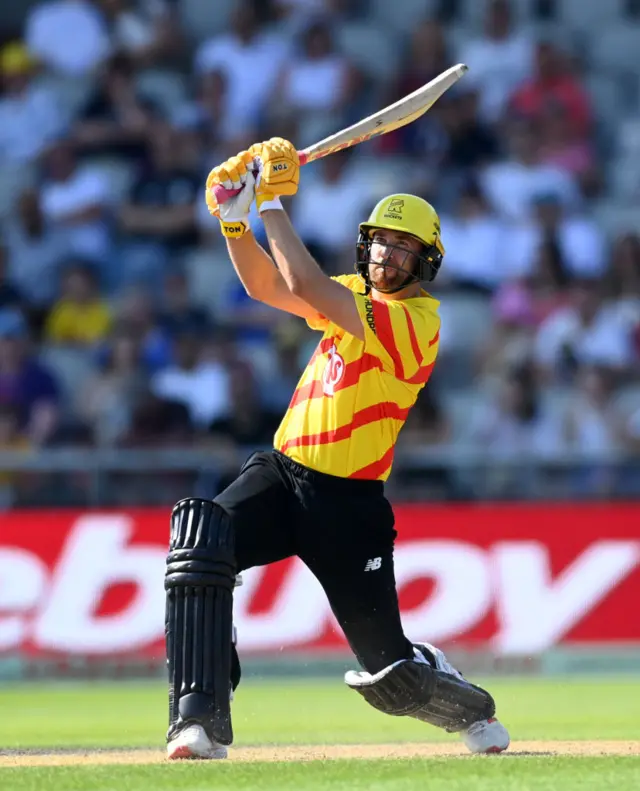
(235, 173)
(279, 166)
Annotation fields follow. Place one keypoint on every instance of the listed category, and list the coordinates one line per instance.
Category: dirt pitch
(317, 753)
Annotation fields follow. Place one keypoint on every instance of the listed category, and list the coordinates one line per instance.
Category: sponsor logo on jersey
(368, 306)
(333, 371)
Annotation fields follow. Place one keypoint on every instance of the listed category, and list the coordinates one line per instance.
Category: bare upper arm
(334, 301)
(279, 296)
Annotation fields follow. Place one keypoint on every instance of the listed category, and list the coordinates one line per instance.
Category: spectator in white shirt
(317, 86)
(201, 385)
(35, 251)
(579, 239)
(76, 201)
(68, 36)
(30, 114)
(147, 31)
(249, 61)
(510, 185)
(586, 332)
(475, 243)
(498, 61)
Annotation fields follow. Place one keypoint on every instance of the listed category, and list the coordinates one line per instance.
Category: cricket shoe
(484, 736)
(193, 743)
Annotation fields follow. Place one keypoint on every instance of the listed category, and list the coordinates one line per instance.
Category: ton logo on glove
(234, 231)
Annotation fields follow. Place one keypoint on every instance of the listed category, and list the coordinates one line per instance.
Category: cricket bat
(396, 115)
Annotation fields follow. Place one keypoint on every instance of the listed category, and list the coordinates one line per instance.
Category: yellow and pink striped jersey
(354, 396)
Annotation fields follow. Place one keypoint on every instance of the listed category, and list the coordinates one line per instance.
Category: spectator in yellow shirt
(80, 317)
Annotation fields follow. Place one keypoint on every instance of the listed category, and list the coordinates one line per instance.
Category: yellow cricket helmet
(408, 214)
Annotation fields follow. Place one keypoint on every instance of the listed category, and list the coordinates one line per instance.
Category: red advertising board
(516, 579)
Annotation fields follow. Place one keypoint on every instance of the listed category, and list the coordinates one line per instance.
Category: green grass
(437, 774)
(305, 712)
(321, 712)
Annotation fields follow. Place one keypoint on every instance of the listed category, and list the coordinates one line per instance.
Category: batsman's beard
(384, 275)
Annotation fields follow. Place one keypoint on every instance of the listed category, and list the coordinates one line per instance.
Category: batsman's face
(393, 255)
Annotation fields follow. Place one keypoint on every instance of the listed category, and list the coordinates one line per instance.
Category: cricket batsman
(319, 494)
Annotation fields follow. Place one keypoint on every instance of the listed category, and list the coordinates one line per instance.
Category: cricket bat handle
(222, 195)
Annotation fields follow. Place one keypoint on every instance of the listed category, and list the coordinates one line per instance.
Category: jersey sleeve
(404, 337)
(318, 322)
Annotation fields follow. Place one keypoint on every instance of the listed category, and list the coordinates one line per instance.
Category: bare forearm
(262, 280)
(297, 266)
(253, 266)
(305, 280)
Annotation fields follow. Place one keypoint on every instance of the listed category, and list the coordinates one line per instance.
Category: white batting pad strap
(271, 204)
(442, 663)
(360, 678)
(420, 658)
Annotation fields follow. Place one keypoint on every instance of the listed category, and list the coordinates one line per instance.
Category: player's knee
(414, 689)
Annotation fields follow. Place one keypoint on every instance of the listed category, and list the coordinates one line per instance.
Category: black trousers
(342, 529)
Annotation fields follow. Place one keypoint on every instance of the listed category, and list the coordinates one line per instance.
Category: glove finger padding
(233, 213)
(280, 167)
(230, 171)
(231, 174)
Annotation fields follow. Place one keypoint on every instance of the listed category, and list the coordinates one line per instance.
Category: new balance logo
(373, 564)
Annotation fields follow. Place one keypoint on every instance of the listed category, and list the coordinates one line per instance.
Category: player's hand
(235, 173)
(279, 169)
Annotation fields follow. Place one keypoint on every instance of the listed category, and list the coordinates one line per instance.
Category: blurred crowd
(122, 324)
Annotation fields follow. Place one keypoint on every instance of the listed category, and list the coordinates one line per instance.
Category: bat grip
(222, 195)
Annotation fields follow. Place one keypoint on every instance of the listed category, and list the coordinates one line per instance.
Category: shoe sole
(184, 753)
(181, 753)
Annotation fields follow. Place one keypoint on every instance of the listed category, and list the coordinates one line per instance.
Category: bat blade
(396, 115)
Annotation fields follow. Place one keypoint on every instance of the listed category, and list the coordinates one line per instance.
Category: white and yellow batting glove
(279, 171)
(235, 173)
